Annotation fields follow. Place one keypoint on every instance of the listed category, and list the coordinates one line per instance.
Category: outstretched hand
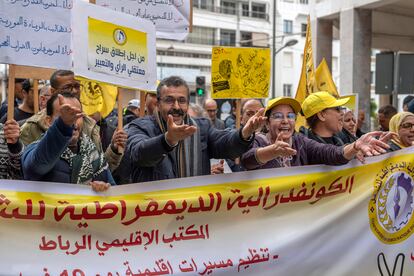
(255, 122)
(281, 148)
(176, 133)
(68, 113)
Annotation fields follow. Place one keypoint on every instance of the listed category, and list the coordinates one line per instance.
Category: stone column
(322, 42)
(355, 53)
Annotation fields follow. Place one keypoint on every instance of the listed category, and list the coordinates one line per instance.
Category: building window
(245, 9)
(287, 26)
(228, 7)
(259, 10)
(288, 59)
(204, 4)
(304, 2)
(246, 39)
(227, 38)
(287, 90)
(303, 29)
(201, 35)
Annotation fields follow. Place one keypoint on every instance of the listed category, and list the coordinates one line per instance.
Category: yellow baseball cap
(294, 104)
(319, 101)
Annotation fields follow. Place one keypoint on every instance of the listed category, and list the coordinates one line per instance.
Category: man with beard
(171, 144)
(65, 154)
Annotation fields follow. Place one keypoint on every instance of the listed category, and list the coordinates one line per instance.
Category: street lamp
(288, 43)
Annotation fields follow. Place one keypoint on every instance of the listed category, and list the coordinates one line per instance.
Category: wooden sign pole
(238, 113)
(10, 97)
(36, 96)
(142, 96)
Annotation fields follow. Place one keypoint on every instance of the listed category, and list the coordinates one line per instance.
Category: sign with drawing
(240, 73)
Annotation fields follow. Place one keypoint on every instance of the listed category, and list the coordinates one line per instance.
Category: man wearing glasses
(35, 126)
(171, 144)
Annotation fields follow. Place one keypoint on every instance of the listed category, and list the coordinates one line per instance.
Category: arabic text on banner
(348, 220)
(240, 73)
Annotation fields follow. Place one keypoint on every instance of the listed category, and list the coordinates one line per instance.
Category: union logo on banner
(391, 206)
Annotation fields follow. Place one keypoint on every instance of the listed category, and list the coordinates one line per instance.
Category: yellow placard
(240, 73)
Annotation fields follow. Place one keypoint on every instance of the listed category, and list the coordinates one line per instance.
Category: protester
(11, 149)
(402, 123)
(18, 96)
(64, 153)
(26, 109)
(171, 144)
(249, 108)
(348, 133)
(282, 147)
(44, 95)
(150, 103)
(230, 121)
(210, 105)
(131, 112)
(35, 126)
(406, 101)
(324, 117)
(385, 114)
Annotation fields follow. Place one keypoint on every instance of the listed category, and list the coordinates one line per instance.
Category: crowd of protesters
(177, 139)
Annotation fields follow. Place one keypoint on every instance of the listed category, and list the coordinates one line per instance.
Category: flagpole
(274, 52)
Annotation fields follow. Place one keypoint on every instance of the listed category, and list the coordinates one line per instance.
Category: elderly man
(63, 80)
(210, 105)
(64, 153)
(171, 144)
(249, 109)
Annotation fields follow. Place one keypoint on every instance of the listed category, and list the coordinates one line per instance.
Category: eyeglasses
(211, 110)
(279, 116)
(171, 100)
(407, 125)
(72, 86)
(336, 108)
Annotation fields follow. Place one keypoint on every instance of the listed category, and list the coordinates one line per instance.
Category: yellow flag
(97, 97)
(324, 81)
(307, 77)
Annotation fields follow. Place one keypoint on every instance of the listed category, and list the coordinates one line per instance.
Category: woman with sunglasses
(282, 147)
(402, 124)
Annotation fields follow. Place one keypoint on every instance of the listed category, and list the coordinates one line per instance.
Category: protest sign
(118, 50)
(240, 73)
(36, 33)
(172, 19)
(355, 219)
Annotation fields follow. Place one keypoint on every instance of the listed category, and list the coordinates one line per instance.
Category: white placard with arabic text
(36, 33)
(171, 17)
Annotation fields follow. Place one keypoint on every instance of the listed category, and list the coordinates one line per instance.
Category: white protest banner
(112, 47)
(314, 220)
(36, 33)
(171, 17)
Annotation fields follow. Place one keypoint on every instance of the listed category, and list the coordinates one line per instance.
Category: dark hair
(388, 111)
(26, 85)
(59, 73)
(19, 80)
(408, 99)
(49, 105)
(312, 120)
(173, 81)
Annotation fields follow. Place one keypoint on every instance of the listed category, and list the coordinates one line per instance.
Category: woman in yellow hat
(283, 147)
(403, 125)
